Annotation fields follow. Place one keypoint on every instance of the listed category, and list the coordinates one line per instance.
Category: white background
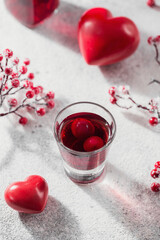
(120, 206)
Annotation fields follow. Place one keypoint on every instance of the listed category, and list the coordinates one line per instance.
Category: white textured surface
(121, 205)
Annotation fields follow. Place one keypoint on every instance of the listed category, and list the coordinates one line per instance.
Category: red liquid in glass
(31, 12)
(66, 136)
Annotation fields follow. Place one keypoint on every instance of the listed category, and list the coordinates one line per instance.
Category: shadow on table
(62, 26)
(134, 206)
(136, 71)
(55, 222)
(142, 120)
(36, 137)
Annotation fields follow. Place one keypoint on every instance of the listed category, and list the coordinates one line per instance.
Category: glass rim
(74, 152)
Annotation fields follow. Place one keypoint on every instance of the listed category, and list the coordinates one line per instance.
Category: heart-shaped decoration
(31, 12)
(104, 39)
(29, 196)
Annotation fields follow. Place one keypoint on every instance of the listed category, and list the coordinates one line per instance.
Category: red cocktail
(83, 139)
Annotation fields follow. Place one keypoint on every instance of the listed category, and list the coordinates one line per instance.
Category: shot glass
(79, 165)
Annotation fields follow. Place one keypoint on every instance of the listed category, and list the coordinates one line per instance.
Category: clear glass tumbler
(81, 166)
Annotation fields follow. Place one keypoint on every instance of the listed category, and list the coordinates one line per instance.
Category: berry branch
(12, 83)
(122, 98)
(155, 173)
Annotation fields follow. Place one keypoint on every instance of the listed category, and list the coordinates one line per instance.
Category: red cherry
(93, 143)
(82, 128)
(23, 120)
(157, 164)
(155, 187)
(153, 121)
(155, 173)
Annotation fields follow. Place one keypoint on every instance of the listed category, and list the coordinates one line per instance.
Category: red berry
(155, 187)
(149, 40)
(40, 89)
(153, 121)
(12, 102)
(29, 94)
(23, 69)
(15, 83)
(36, 90)
(15, 60)
(1, 57)
(23, 120)
(31, 85)
(93, 143)
(14, 75)
(28, 84)
(26, 61)
(112, 91)
(50, 104)
(41, 111)
(8, 71)
(157, 39)
(50, 95)
(113, 100)
(31, 76)
(150, 3)
(157, 164)
(154, 173)
(82, 128)
(8, 53)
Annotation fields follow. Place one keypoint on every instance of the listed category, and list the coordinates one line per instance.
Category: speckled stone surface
(120, 206)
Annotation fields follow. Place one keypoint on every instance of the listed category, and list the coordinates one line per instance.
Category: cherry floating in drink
(83, 138)
(31, 12)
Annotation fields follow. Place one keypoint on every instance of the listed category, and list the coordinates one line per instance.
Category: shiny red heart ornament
(29, 196)
(104, 39)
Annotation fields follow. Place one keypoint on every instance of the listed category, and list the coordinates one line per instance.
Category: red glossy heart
(29, 196)
(31, 12)
(104, 39)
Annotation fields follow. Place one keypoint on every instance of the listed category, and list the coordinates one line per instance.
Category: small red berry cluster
(151, 3)
(14, 82)
(155, 173)
(121, 95)
(122, 98)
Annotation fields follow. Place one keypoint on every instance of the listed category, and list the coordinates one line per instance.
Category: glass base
(84, 177)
